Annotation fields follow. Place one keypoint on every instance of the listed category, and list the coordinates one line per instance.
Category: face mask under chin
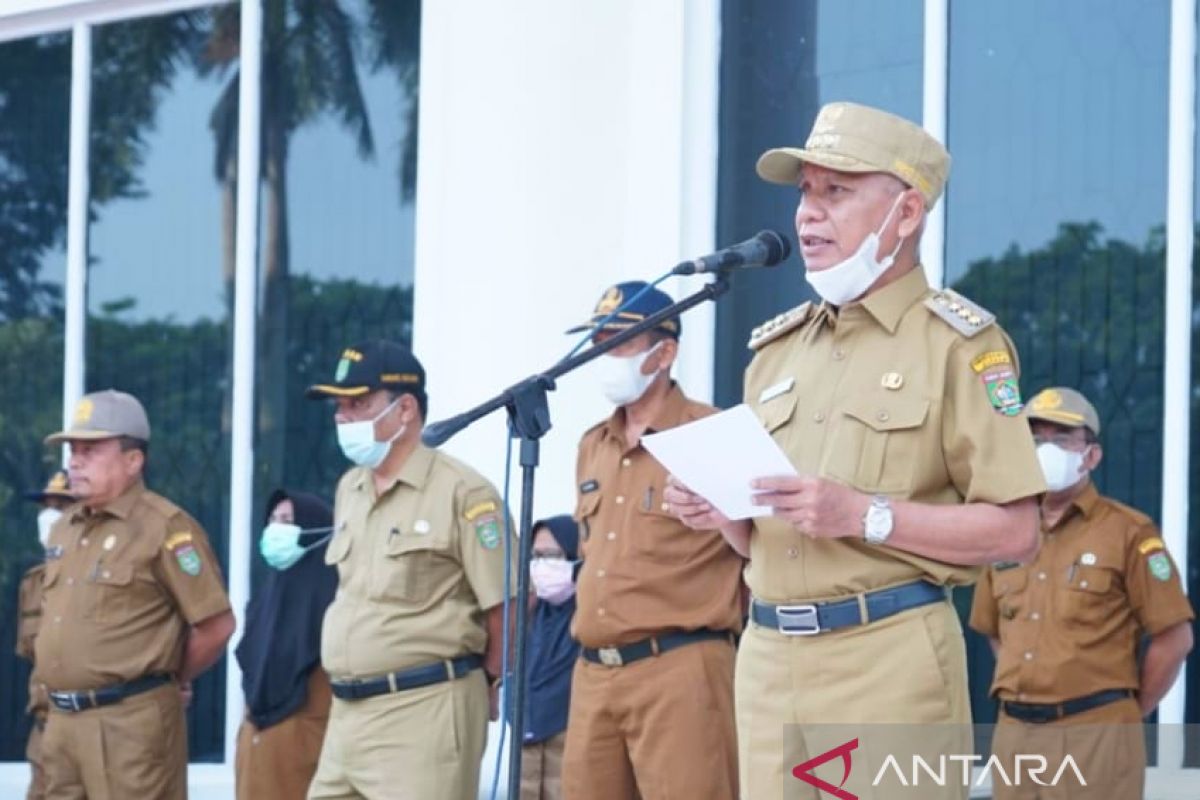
(851, 278)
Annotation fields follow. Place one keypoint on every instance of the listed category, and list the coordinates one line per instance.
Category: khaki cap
(105, 415)
(848, 137)
(1063, 406)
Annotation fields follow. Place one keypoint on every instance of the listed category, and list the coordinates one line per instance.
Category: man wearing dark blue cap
(658, 604)
(413, 636)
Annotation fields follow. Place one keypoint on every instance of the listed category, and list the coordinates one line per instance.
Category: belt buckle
(798, 620)
(610, 656)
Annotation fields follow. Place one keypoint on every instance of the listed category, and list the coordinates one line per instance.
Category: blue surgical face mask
(280, 543)
(357, 440)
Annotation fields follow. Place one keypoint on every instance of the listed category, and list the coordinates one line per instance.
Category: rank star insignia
(188, 558)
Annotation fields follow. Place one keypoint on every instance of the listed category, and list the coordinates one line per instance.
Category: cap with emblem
(1063, 406)
(368, 366)
(105, 415)
(57, 488)
(630, 309)
(848, 137)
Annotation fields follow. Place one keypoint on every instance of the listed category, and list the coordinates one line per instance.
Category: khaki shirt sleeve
(984, 616)
(988, 449)
(1153, 583)
(481, 522)
(189, 571)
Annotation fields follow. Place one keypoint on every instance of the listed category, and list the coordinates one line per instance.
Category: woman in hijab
(287, 692)
(551, 657)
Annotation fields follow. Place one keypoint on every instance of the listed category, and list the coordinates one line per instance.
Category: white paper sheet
(717, 457)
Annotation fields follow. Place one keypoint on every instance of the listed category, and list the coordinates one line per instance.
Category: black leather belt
(808, 619)
(1050, 712)
(412, 678)
(655, 645)
(94, 698)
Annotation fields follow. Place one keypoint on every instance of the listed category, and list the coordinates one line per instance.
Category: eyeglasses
(1067, 441)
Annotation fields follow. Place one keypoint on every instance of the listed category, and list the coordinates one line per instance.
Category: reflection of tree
(311, 61)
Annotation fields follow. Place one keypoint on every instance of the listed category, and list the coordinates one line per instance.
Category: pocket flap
(587, 505)
(401, 543)
(1092, 579)
(113, 574)
(1009, 581)
(888, 414)
(339, 547)
(776, 411)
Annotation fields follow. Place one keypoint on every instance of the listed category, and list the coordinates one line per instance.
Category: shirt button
(839, 354)
(1035, 616)
(625, 462)
(882, 416)
(818, 417)
(255, 739)
(611, 535)
(620, 499)
(83, 541)
(70, 581)
(601, 611)
(1083, 584)
(58, 619)
(1029, 655)
(107, 574)
(666, 506)
(793, 552)
(600, 573)
(1041, 576)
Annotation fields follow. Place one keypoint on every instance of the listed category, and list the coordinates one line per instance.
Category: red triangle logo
(804, 771)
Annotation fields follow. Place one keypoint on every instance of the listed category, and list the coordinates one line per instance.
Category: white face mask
(848, 280)
(621, 379)
(1061, 468)
(357, 440)
(553, 579)
(46, 519)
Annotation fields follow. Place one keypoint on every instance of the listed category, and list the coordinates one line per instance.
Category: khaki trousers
(33, 754)
(419, 744)
(1107, 744)
(801, 696)
(541, 769)
(278, 763)
(136, 748)
(661, 728)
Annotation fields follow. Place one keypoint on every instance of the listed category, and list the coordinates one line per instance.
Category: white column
(937, 61)
(241, 484)
(1177, 377)
(75, 290)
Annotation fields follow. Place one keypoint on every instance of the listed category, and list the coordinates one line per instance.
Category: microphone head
(778, 247)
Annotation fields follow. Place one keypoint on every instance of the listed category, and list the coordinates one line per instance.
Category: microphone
(765, 249)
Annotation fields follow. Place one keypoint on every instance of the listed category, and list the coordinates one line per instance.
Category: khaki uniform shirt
(888, 397)
(29, 616)
(123, 585)
(417, 567)
(1069, 624)
(644, 572)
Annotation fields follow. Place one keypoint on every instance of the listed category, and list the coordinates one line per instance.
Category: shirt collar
(414, 472)
(670, 414)
(1086, 500)
(120, 507)
(891, 302)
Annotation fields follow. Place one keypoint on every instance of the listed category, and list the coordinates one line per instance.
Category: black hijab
(552, 651)
(281, 644)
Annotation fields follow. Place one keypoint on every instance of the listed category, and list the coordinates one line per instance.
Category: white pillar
(1177, 377)
(937, 61)
(75, 290)
(241, 483)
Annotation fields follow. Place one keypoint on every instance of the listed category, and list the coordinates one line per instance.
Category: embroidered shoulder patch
(487, 531)
(1150, 545)
(995, 369)
(481, 508)
(176, 539)
(188, 558)
(1160, 566)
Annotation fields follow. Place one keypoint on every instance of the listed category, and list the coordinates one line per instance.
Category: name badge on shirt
(771, 392)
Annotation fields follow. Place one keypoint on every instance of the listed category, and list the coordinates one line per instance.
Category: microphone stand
(529, 418)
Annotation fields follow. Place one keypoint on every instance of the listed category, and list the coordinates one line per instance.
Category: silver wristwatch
(877, 522)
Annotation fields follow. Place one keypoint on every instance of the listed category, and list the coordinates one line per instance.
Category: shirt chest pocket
(412, 567)
(658, 534)
(1008, 592)
(777, 411)
(585, 515)
(877, 443)
(118, 592)
(1090, 593)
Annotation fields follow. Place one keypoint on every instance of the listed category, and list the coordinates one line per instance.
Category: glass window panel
(1193, 568)
(35, 84)
(336, 242)
(1056, 207)
(780, 61)
(160, 245)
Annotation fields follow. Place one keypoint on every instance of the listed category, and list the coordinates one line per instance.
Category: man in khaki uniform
(1066, 627)
(658, 605)
(53, 499)
(897, 405)
(414, 635)
(134, 610)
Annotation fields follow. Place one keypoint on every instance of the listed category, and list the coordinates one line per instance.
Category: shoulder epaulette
(161, 504)
(965, 316)
(777, 326)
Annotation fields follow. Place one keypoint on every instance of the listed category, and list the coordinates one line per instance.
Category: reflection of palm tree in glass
(310, 66)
